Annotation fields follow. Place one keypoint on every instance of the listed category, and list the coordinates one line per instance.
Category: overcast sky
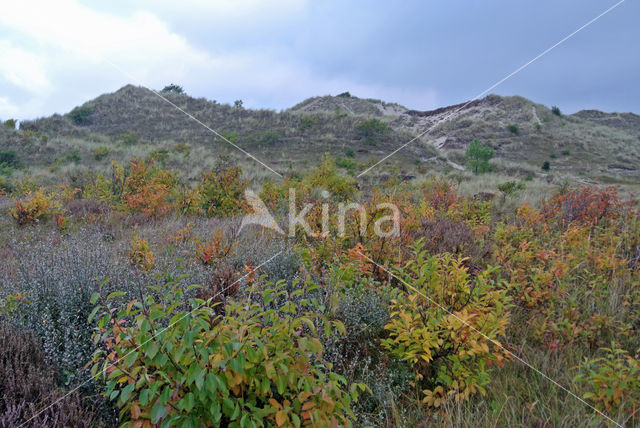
(55, 55)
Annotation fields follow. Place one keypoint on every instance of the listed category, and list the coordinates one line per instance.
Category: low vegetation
(182, 326)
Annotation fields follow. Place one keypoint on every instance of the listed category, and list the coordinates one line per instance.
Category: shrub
(182, 148)
(5, 170)
(74, 157)
(447, 325)
(565, 153)
(586, 205)
(546, 166)
(553, 156)
(221, 192)
(100, 153)
(231, 136)
(349, 153)
(9, 158)
(146, 188)
(80, 115)
(34, 208)
(372, 131)
(344, 95)
(159, 155)
(5, 186)
(307, 122)
(213, 250)
(10, 123)
(128, 138)
(556, 110)
(514, 128)
(172, 87)
(346, 163)
(140, 254)
(478, 156)
(260, 364)
(509, 188)
(270, 138)
(613, 381)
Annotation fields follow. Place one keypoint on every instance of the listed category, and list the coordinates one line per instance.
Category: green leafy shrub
(74, 157)
(221, 192)
(478, 156)
(613, 381)
(175, 363)
(128, 138)
(307, 122)
(159, 155)
(80, 115)
(270, 138)
(446, 325)
(10, 123)
(100, 153)
(5, 185)
(546, 166)
(344, 95)
(10, 158)
(510, 188)
(565, 153)
(231, 136)
(372, 131)
(349, 153)
(553, 155)
(556, 110)
(346, 163)
(514, 129)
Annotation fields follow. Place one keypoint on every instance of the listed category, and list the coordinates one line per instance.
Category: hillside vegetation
(472, 280)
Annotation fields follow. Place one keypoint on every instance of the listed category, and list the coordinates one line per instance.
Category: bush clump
(9, 158)
(260, 364)
(80, 115)
(34, 208)
(372, 131)
(447, 325)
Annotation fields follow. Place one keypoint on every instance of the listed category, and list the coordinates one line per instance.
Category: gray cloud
(274, 54)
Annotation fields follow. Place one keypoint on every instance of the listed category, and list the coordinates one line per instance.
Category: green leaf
(94, 298)
(126, 393)
(93, 312)
(115, 294)
(144, 397)
(157, 412)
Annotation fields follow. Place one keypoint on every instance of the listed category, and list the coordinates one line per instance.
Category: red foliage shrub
(585, 205)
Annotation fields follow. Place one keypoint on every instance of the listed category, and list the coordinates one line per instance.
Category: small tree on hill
(478, 157)
(173, 88)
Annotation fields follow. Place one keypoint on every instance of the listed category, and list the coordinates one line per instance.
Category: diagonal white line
(190, 116)
(495, 342)
(147, 341)
(499, 82)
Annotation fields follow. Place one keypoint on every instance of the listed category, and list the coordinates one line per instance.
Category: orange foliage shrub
(213, 250)
(34, 208)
